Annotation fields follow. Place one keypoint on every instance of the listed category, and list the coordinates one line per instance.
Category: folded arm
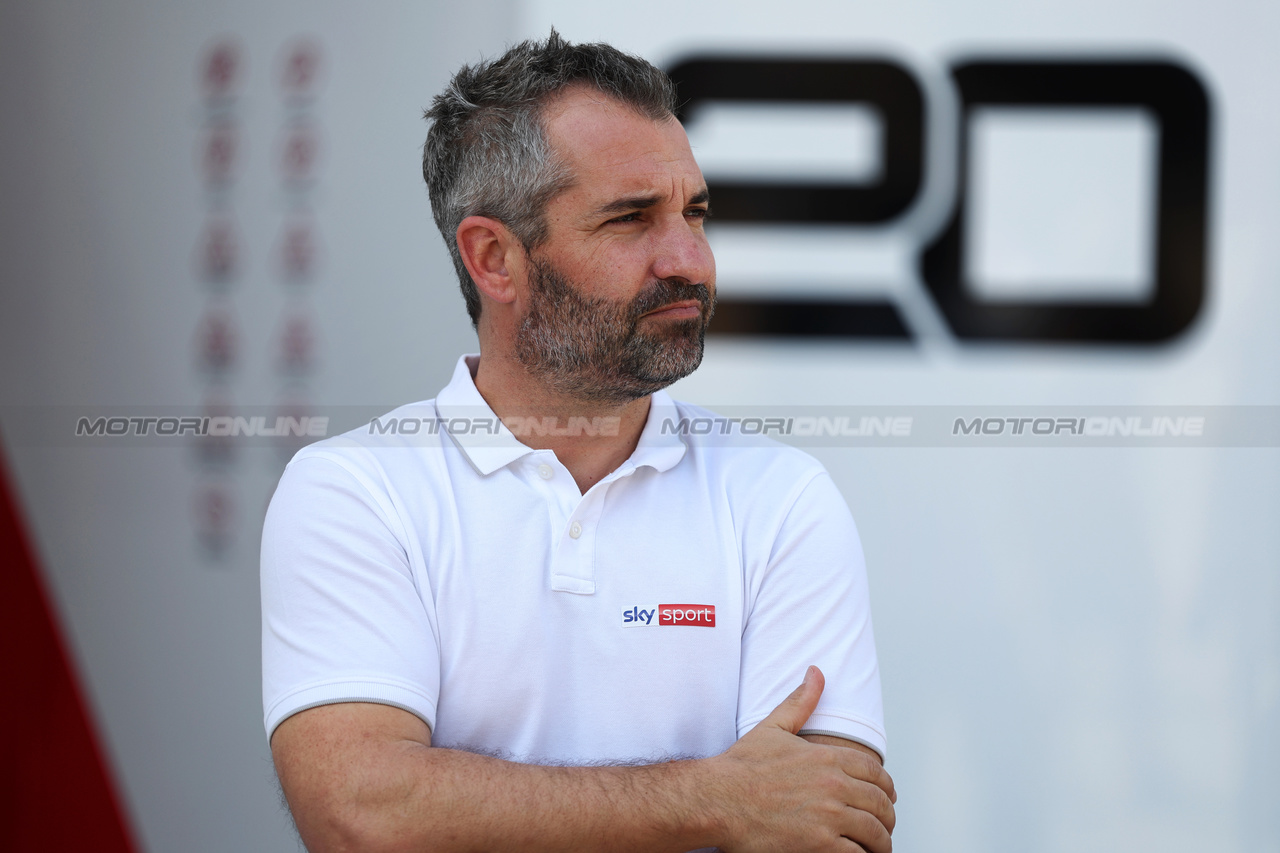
(366, 777)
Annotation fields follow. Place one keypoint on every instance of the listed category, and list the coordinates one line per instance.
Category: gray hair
(487, 153)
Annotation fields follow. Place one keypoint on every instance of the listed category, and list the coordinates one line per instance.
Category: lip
(687, 309)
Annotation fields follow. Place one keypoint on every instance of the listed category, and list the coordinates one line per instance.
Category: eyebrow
(644, 202)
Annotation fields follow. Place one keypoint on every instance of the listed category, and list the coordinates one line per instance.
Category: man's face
(620, 293)
(607, 351)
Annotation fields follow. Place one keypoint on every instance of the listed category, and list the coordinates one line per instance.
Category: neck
(594, 437)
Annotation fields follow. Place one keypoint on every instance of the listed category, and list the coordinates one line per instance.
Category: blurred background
(928, 209)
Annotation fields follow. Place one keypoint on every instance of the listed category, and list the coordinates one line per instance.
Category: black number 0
(1172, 94)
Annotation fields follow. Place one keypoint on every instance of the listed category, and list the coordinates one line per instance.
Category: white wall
(105, 204)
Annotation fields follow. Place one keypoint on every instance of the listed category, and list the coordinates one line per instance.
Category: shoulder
(374, 455)
(738, 457)
(740, 444)
(413, 426)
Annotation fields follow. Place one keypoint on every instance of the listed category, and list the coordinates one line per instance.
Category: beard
(594, 350)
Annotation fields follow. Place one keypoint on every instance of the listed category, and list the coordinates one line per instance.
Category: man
(465, 641)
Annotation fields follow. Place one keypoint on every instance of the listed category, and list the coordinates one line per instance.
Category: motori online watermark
(217, 426)
(804, 426)
(1095, 426)
(291, 427)
(518, 426)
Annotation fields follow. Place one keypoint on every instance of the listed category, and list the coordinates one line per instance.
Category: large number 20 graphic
(1168, 91)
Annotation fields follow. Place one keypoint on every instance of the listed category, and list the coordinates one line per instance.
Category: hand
(781, 792)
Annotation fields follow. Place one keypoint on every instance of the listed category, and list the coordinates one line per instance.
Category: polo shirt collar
(490, 445)
(658, 448)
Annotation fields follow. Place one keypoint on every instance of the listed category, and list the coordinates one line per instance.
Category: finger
(868, 798)
(859, 765)
(794, 711)
(866, 831)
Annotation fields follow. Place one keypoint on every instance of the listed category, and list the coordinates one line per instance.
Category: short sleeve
(809, 605)
(343, 619)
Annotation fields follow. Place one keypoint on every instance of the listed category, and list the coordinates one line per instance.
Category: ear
(490, 252)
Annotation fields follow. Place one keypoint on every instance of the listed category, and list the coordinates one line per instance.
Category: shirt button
(575, 530)
(545, 472)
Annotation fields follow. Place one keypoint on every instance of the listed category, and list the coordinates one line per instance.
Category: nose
(682, 252)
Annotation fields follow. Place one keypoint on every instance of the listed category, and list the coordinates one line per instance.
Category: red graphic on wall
(295, 409)
(216, 447)
(218, 260)
(298, 251)
(218, 153)
(301, 70)
(214, 519)
(299, 153)
(58, 792)
(297, 344)
(217, 343)
(221, 69)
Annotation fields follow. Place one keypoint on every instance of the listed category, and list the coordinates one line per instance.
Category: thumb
(792, 713)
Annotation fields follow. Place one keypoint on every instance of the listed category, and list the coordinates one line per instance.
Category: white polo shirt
(433, 562)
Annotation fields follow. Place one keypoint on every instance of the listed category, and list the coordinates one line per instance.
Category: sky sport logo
(692, 615)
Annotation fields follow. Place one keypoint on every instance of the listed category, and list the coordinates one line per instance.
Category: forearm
(416, 797)
(365, 777)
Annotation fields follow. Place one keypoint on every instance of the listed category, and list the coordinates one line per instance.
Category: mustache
(664, 292)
